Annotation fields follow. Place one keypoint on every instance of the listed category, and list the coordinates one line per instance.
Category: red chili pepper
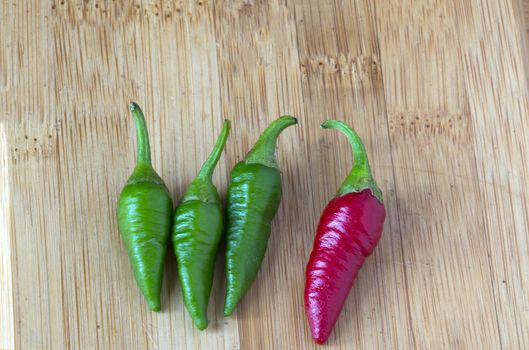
(349, 230)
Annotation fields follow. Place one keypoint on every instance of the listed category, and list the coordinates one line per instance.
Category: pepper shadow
(216, 318)
(278, 287)
(171, 287)
(304, 186)
(366, 307)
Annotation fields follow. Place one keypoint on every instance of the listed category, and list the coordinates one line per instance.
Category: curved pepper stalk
(197, 230)
(254, 195)
(144, 215)
(349, 229)
(360, 176)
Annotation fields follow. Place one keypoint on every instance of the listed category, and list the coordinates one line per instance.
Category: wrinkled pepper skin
(254, 195)
(197, 231)
(349, 229)
(144, 216)
(255, 188)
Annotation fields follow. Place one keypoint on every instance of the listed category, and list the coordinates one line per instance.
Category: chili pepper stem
(263, 152)
(209, 165)
(144, 148)
(360, 176)
(143, 171)
(202, 187)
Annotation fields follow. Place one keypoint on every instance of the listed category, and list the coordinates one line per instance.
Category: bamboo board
(438, 89)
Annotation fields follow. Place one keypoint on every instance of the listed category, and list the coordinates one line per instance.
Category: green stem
(263, 152)
(208, 167)
(360, 176)
(144, 148)
(202, 188)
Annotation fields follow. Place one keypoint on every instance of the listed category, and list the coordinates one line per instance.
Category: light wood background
(438, 89)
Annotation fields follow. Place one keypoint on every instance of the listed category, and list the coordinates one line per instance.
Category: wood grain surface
(438, 89)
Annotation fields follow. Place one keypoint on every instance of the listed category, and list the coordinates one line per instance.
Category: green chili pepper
(197, 231)
(144, 217)
(254, 194)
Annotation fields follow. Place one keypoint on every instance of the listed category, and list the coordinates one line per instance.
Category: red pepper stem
(264, 150)
(144, 148)
(360, 176)
(206, 172)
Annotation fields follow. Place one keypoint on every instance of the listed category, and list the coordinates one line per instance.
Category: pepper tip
(156, 308)
(319, 337)
(228, 310)
(154, 304)
(201, 324)
(319, 341)
(227, 313)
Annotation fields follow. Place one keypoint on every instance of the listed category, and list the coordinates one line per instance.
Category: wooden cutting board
(438, 89)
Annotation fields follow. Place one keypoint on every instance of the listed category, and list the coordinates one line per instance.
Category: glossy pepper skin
(254, 195)
(144, 216)
(197, 230)
(349, 229)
